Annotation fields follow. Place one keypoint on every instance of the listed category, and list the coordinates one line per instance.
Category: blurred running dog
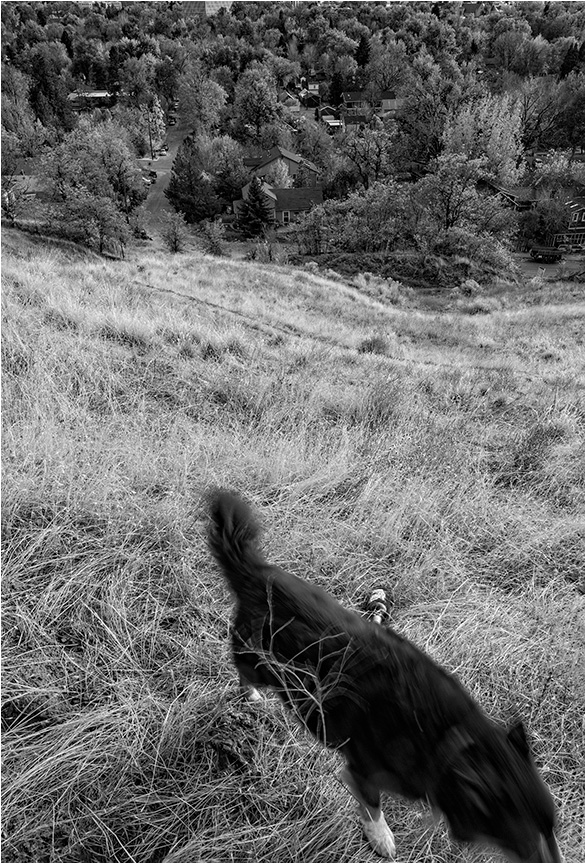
(403, 724)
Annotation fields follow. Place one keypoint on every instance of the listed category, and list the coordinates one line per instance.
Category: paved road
(156, 203)
(531, 268)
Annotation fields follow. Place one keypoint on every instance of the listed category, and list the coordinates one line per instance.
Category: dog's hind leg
(374, 824)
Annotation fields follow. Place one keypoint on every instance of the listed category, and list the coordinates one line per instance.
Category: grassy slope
(448, 471)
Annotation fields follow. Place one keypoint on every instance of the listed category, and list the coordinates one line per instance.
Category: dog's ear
(518, 738)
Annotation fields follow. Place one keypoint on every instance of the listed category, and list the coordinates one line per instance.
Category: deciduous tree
(255, 102)
(201, 100)
(490, 127)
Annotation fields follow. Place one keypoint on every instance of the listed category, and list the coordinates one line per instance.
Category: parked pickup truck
(547, 254)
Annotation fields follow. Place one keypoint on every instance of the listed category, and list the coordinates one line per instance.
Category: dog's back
(402, 722)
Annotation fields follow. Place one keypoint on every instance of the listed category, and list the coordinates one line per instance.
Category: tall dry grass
(438, 456)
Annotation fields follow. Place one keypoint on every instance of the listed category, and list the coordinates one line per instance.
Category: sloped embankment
(436, 456)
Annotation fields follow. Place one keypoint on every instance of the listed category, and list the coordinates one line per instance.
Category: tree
(97, 159)
(313, 142)
(15, 188)
(174, 231)
(166, 78)
(490, 127)
(369, 150)
(213, 237)
(255, 102)
(543, 103)
(363, 51)
(421, 121)
(557, 169)
(278, 175)
(17, 116)
(336, 89)
(550, 216)
(96, 184)
(48, 94)
(136, 76)
(92, 220)
(190, 190)
(388, 66)
(255, 214)
(144, 124)
(201, 100)
(376, 220)
(450, 200)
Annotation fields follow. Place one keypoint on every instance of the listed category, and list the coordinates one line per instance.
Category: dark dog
(402, 723)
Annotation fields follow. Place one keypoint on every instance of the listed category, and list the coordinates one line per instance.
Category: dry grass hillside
(436, 455)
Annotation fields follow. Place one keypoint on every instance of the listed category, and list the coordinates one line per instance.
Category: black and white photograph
(292, 401)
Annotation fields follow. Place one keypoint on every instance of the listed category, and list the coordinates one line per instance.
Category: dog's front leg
(374, 824)
(248, 690)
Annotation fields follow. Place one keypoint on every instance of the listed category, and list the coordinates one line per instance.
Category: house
(352, 122)
(309, 100)
(472, 9)
(527, 197)
(388, 104)
(573, 236)
(355, 101)
(330, 117)
(333, 124)
(290, 102)
(286, 205)
(263, 162)
(204, 7)
(519, 197)
(87, 100)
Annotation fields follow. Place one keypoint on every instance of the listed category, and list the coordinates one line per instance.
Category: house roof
(288, 98)
(89, 94)
(268, 190)
(298, 199)
(280, 153)
(353, 96)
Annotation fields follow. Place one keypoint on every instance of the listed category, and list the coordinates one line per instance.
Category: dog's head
(490, 791)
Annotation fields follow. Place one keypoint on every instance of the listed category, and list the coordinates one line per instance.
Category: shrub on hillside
(268, 253)
(478, 256)
(373, 345)
(174, 231)
(213, 238)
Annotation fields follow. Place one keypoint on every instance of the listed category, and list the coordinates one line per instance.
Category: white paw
(251, 694)
(379, 835)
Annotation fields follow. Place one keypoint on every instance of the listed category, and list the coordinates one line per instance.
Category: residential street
(156, 203)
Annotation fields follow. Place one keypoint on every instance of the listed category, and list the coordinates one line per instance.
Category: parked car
(172, 121)
(547, 254)
(153, 174)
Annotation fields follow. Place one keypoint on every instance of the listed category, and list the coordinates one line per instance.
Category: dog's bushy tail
(233, 538)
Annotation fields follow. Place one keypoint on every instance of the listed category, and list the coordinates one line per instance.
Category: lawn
(438, 455)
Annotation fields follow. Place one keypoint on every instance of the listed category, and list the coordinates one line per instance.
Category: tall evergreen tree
(336, 88)
(255, 213)
(362, 55)
(189, 191)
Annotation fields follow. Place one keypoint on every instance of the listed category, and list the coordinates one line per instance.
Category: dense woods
(486, 95)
